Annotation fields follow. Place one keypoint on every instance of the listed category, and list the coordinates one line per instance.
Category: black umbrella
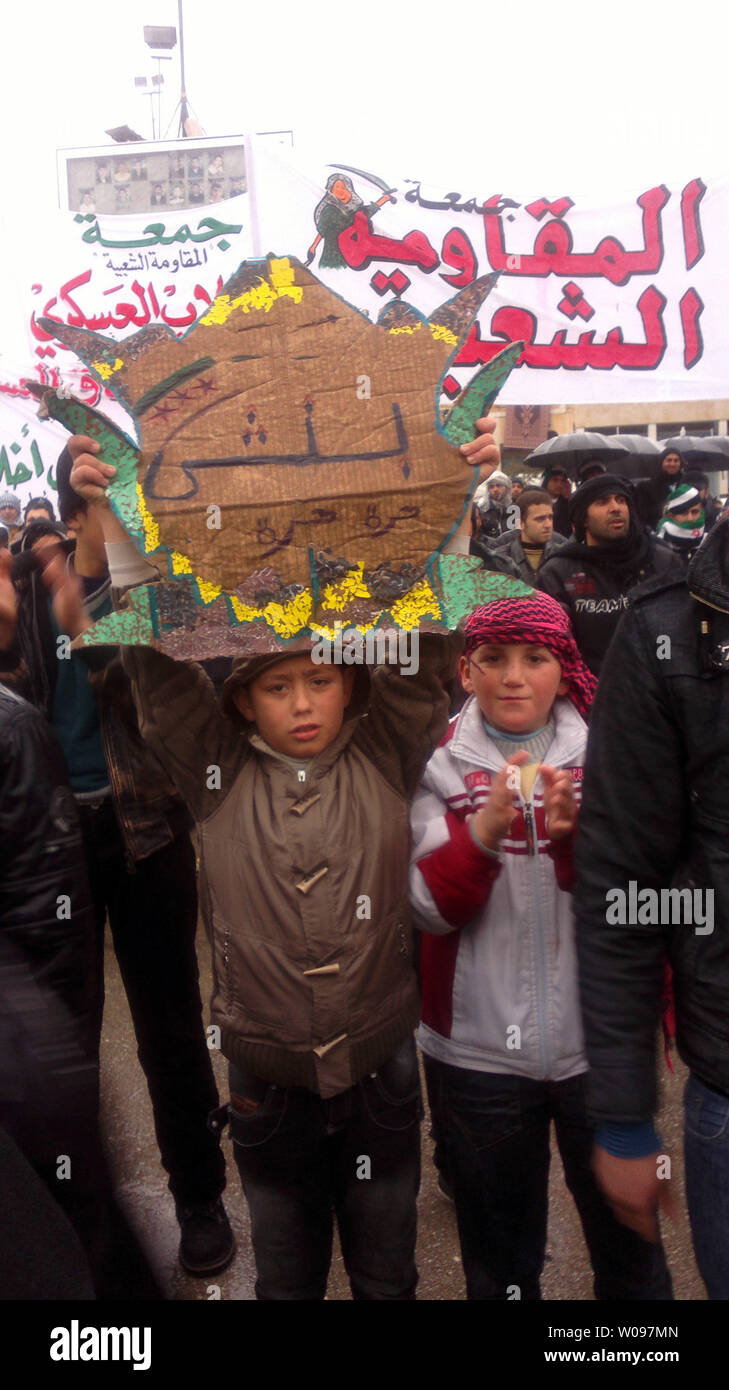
(696, 449)
(570, 451)
(641, 458)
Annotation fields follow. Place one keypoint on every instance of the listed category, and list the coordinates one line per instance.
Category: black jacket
(505, 555)
(594, 591)
(655, 810)
(149, 811)
(491, 521)
(46, 924)
(650, 496)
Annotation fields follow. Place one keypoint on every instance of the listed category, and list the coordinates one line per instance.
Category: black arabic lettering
(191, 466)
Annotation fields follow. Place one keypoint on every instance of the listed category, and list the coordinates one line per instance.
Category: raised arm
(179, 716)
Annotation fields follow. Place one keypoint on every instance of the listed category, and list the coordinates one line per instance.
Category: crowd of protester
(499, 820)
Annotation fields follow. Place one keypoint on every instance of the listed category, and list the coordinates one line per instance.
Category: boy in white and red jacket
(493, 826)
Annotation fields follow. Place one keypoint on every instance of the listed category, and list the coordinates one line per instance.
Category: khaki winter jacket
(303, 867)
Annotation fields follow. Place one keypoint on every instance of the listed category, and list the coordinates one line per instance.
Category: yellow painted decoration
(151, 529)
(180, 563)
(351, 586)
(443, 334)
(414, 329)
(208, 592)
(262, 296)
(419, 603)
(288, 618)
(282, 280)
(243, 611)
(105, 370)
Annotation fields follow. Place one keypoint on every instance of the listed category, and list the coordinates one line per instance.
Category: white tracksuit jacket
(499, 963)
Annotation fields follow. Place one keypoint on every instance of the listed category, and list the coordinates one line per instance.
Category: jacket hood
(248, 668)
(708, 572)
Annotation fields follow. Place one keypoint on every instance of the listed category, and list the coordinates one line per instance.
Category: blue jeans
(494, 1130)
(706, 1148)
(303, 1159)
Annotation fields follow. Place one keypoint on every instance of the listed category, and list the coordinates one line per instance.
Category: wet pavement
(142, 1187)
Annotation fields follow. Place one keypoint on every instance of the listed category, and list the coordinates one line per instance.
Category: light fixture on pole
(156, 37)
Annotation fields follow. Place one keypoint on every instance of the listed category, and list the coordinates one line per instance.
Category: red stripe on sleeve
(458, 875)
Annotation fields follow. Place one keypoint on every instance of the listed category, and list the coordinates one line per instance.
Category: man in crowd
(650, 494)
(48, 1061)
(593, 574)
(683, 524)
(522, 552)
(654, 816)
(10, 513)
(38, 509)
(141, 869)
(712, 508)
(556, 482)
(591, 468)
(491, 503)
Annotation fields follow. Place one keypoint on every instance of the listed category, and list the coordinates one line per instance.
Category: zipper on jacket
(541, 960)
(301, 774)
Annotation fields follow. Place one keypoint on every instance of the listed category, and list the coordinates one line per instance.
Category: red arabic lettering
(124, 314)
(693, 239)
(553, 254)
(458, 252)
(692, 307)
(360, 245)
(9, 390)
(510, 324)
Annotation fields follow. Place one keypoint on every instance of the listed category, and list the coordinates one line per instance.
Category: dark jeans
(706, 1145)
(495, 1131)
(302, 1159)
(153, 917)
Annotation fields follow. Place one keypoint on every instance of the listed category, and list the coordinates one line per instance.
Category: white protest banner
(616, 303)
(111, 274)
(622, 302)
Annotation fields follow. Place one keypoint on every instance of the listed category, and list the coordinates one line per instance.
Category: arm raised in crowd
(179, 715)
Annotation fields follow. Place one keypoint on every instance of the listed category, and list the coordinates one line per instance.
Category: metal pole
(183, 97)
(182, 47)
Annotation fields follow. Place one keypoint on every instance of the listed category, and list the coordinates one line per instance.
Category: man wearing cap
(594, 573)
(10, 513)
(683, 524)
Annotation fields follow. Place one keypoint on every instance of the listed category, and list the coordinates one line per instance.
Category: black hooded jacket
(593, 583)
(655, 811)
(650, 494)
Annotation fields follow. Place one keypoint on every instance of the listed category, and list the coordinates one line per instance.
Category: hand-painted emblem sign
(292, 468)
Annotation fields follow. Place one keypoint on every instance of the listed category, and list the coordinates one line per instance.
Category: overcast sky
(525, 97)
